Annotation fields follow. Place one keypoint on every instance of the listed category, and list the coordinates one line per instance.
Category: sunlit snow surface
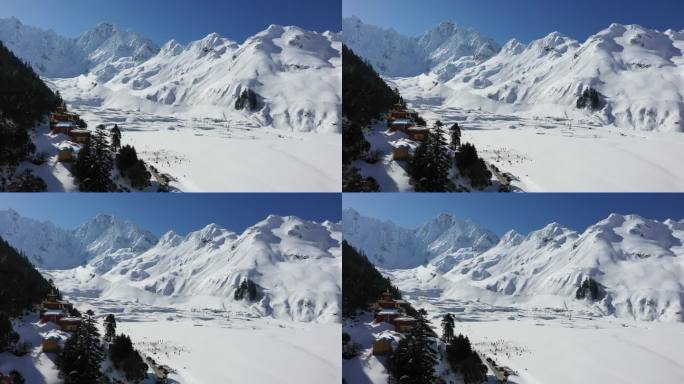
(543, 345)
(548, 154)
(202, 346)
(217, 155)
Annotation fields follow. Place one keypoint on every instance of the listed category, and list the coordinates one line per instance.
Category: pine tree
(102, 161)
(8, 336)
(110, 327)
(429, 167)
(82, 354)
(116, 138)
(127, 359)
(455, 131)
(448, 328)
(94, 164)
(413, 362)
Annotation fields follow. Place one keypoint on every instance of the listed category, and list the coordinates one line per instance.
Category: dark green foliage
(354, 144)
(16, 377)
(420, 121)
(589, 289)
(247, 289)
(361, 282)
(430, 164)
(7, 335)
(350, 349)
(82, 354)
(116, 138)
(365, 96)
(455, 132)
(472, 167)
(24, 101)
(413, 362)
(22, 285)
(462, 358)
(126, 158)
(448, 328)
(127, 359)
(138, 175)
(110, 327)
(590, 98)
(93, 167)
(353, 181)
(247, 99)
(132, 168)
(28, 182)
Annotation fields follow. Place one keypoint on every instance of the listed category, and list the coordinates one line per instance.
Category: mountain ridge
(637, 262)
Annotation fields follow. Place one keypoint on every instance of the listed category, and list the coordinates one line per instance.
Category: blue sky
(182, 213)
(522, 212)
(183, 20)
(525, 20)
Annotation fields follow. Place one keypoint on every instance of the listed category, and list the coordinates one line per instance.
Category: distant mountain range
(638, 262)
(636, 70)
(295, 263)
(296, 73)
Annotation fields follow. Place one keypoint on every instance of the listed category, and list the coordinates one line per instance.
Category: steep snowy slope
(111, 49)
(109, 240)
(97, 241)
(445, 49)
(46, 245)
(637, 262)
(103, 50)
(295, 264)
(437, 241)
(295, 72)
(637, 71)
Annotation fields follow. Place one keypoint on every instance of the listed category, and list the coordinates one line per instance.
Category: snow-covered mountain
(103, 50)
(637, 71)
(436, 242)
(296, 73)
(638, 263)
(97, 241)
(296, 264)
(445, 49)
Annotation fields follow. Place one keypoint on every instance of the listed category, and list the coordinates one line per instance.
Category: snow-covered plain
(518, 105)
(217, 155)
(545, 154)
(545, 345)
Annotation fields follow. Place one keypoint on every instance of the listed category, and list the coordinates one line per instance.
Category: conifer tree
(447, 328)
(413, 362)
(116, 138)
(455, 131)
(82, 354)
(429, 167)
(8, 336)
(110, 327)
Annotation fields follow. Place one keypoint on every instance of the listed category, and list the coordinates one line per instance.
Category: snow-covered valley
(516, 296)
(176, 295)
(518, 104)
(178, 104)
